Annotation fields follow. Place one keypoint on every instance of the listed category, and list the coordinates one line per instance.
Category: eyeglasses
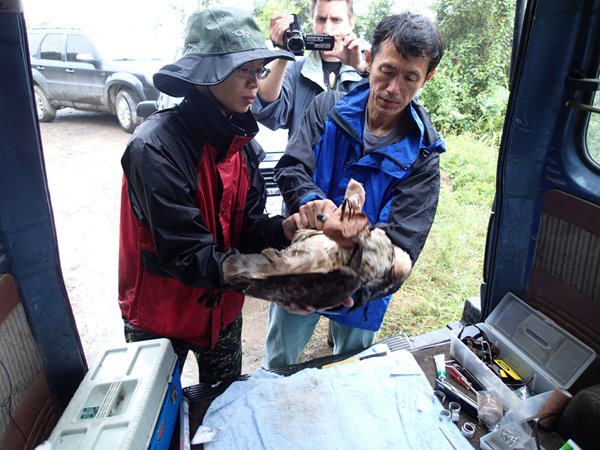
(250, 73)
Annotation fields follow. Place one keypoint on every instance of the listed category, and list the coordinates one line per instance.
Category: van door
(544, 143)
(543, 242)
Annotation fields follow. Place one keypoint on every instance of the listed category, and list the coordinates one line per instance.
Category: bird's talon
(347, 210)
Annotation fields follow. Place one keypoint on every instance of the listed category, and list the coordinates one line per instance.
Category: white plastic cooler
(118, 403)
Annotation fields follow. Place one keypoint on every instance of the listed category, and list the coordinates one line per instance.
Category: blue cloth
(380, 403)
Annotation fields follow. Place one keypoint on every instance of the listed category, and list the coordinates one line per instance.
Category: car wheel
(45, 111)
(125, 108)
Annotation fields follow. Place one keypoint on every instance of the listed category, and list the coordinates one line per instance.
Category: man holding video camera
(285, 96)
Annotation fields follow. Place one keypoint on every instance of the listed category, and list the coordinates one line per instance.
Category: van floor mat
(398, 342)
(203, 392)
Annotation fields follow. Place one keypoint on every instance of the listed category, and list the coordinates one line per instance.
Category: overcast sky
(120, 15)
(151, 25)
(112, 16)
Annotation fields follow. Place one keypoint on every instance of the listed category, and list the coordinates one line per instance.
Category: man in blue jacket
(380, 136)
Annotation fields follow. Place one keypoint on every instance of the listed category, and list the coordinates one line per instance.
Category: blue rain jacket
(402, 181)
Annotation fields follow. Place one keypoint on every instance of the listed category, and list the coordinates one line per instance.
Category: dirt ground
(82, 154)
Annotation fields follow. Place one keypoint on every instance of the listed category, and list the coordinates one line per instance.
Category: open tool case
(543, 354)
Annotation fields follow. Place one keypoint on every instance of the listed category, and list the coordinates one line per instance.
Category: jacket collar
(349, 113)
(204, 117)
(313, 70)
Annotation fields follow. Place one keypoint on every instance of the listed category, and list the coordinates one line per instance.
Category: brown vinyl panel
(32, 413)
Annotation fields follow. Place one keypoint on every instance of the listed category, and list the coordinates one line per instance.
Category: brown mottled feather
(314, 270)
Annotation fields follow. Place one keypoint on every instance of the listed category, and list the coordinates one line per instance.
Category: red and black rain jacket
(192, 196)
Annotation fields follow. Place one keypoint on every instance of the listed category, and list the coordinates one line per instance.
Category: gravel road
(82, 153)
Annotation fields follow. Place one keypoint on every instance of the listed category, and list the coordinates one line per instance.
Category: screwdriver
(459, 377)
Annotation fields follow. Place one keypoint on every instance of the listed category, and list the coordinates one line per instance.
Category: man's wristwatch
(364, 74)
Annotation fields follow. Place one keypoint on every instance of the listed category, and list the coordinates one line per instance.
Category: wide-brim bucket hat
(217, 41)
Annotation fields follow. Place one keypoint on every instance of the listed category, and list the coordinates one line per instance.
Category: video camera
(296, 41)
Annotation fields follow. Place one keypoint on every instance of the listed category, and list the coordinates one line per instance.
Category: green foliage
(593, 133)
(470, 166)
(185, 8)
(470, 90)
(450, 267)
(365, 24)
(264, 9)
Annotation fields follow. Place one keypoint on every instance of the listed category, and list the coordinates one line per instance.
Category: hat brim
(206, 70)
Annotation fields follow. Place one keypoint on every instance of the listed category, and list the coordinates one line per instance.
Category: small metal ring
(468, 429)
(440, 396)
(445, 415)
(455, 411)
(454, 406)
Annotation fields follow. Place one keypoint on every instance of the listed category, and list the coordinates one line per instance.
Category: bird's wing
(379, 266)
(319, 290)
(310, 252)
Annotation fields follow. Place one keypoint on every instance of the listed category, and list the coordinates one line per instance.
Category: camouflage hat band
(217, 41)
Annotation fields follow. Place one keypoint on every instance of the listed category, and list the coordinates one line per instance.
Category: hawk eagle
(316, 270)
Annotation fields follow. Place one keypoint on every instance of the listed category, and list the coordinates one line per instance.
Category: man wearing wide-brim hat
(192, 196)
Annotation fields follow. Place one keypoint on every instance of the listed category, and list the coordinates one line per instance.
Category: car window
(52, 47)
(33, 39)
(77, 44)
(593, 131)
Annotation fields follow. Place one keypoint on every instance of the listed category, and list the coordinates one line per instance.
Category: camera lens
(294, 41)
(295, 44)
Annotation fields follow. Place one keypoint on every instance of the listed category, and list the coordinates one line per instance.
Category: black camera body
(296, 41)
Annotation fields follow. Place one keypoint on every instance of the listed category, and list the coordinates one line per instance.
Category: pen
(346, 361)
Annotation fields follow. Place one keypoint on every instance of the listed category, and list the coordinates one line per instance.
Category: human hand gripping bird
(321, 269)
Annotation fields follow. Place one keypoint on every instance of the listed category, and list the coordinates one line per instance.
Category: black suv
(68, 71)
